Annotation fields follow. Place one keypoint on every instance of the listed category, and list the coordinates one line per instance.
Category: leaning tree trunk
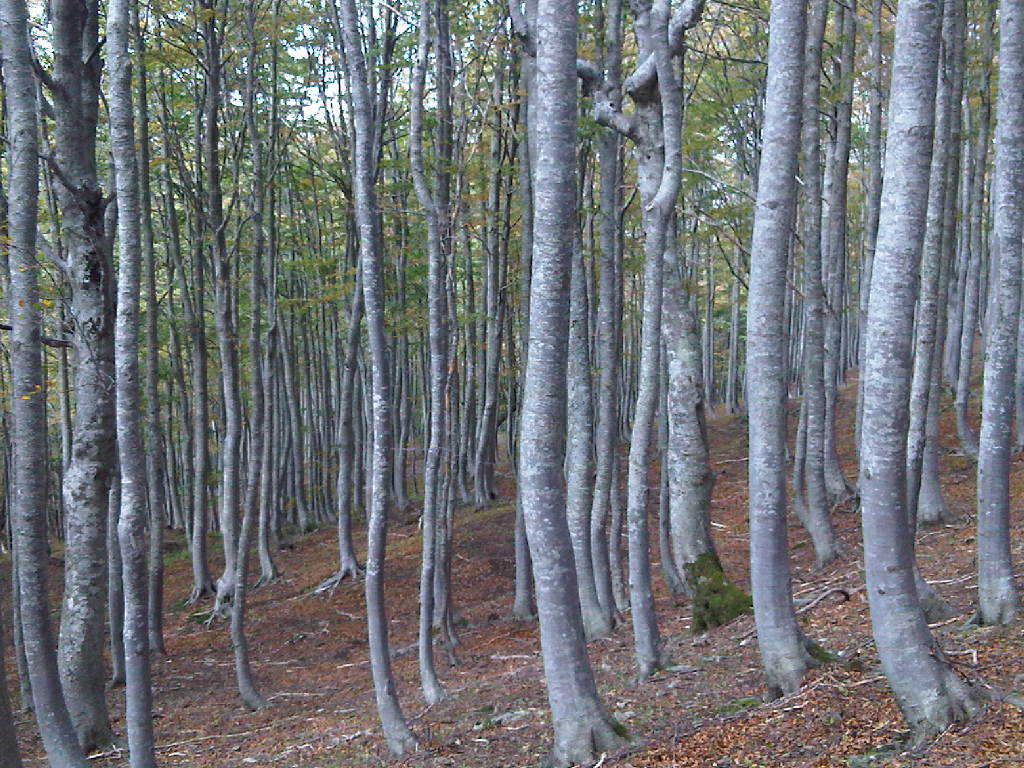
(928, 690)
(998, 601)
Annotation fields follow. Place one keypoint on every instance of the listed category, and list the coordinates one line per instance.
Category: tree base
(584, 741)
(716, 601)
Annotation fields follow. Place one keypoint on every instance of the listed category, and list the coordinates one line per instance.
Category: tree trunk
(817, 518)
(437, 312)
(998, 601)
(155, 458)
(28, 408)
(88, 476)
(583, 729)
(397, 733)
(929, 692)
(132, 527)
(784, 653)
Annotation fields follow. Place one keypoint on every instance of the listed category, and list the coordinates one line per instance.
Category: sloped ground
(707, 709)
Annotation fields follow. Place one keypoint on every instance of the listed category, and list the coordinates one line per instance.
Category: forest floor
(707, 709)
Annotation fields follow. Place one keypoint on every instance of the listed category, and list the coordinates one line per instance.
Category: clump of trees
(272, 266)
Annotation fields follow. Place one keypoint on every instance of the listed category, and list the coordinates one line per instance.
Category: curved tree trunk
(929, 691)
(583, 729)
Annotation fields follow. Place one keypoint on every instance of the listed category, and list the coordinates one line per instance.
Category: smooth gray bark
(929, 692)
(874, 198)
(90, 271)
(579, 464)
(976, 254)
(783, 652)
(583, 729)
(998, 601)
(133, 523)
(437, 332)
(396, 731)
(608, 325)
(155, 457)
(816, 517)
(28, 408)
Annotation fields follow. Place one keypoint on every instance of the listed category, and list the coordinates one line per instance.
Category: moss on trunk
(716, 600)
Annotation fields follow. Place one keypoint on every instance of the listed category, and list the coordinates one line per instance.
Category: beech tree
(28, 408)
(132, 527)
(998, 600)
(583, 729)
(930, 693)
(785, 652)
(398, 735)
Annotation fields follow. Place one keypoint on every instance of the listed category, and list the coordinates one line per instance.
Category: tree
(814, 492)
(438, 332)
(133, 524)
(75, 87)
(998, 601)
(930, 693)
(28, 407)
(583, 728)
(398, 735)
(784, 649)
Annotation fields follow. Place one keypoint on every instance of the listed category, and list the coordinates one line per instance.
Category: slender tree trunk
(28, 408)
(783, 647)
(972, 290)
(608, 337)
(998, 601)
(397, 733)
(817, 518)
(132, 527)
(155, 458)
(579, 463)
(437, 312)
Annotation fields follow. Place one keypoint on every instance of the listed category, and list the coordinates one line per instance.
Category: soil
(706, 709)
